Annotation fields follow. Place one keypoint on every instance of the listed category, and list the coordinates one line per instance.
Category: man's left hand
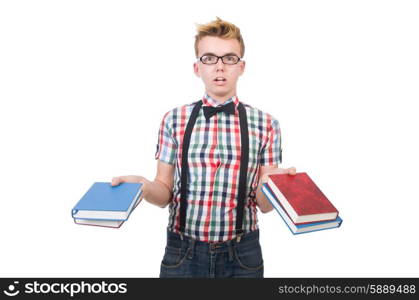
(290, 171)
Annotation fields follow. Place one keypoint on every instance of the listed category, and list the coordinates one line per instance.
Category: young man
(213, 156)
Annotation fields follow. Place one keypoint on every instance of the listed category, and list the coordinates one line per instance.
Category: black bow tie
(209, 111)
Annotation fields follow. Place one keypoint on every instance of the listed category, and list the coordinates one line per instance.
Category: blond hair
(219, 28)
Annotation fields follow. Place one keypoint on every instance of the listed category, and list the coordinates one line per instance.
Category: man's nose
(220, 64)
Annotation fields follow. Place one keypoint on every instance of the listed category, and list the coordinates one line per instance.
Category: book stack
(300, 203)
(106, 205)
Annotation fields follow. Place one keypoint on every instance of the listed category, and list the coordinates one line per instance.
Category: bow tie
(209, 111)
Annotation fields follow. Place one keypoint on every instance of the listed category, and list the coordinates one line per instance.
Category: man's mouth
(220, 80)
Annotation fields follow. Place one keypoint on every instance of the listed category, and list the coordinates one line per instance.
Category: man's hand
(263, 203)
(132, 179)
(128, 178)
(290, 171)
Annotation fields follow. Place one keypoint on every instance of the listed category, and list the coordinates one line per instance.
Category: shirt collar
(208, 101)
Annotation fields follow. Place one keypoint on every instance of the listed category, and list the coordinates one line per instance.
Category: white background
(84, 86)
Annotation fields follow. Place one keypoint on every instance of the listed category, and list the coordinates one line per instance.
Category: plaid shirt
(214, 165)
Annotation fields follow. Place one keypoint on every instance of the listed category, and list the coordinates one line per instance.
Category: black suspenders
(244, 160)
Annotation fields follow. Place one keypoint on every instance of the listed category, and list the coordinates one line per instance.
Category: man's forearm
(157, 193)
(263, 203)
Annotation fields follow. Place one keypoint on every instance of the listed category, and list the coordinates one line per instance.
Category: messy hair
(218, 28)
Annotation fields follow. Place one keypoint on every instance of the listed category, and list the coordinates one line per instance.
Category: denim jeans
(192, 258)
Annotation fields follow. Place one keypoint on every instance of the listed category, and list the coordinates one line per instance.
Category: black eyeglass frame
(222, 59)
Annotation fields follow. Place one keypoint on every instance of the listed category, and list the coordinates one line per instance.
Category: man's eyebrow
(210, 53)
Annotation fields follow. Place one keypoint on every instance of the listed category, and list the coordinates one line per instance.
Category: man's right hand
(157, 192)
(132, 179)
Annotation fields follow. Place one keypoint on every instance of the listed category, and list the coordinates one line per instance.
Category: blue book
(107, 205)
(301, 228)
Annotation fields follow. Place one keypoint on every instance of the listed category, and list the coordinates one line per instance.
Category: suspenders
(244, 160)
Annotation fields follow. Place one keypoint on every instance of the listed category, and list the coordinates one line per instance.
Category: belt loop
(191, 248)
(230, 250)
(239, 235)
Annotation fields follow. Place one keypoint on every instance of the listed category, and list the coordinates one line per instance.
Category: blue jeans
(192, 258)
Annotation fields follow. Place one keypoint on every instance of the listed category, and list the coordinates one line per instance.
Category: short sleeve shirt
(214, 165)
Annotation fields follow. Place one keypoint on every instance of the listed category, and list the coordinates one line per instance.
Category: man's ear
(242, 67)
(196, 69)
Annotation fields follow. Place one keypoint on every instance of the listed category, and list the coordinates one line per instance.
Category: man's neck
(221, 99)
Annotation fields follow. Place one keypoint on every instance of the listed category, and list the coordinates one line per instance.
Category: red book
(301, 198)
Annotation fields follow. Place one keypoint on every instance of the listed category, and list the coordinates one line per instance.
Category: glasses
(229, 59)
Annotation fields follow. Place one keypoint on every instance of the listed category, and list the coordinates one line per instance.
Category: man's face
(211, 74)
